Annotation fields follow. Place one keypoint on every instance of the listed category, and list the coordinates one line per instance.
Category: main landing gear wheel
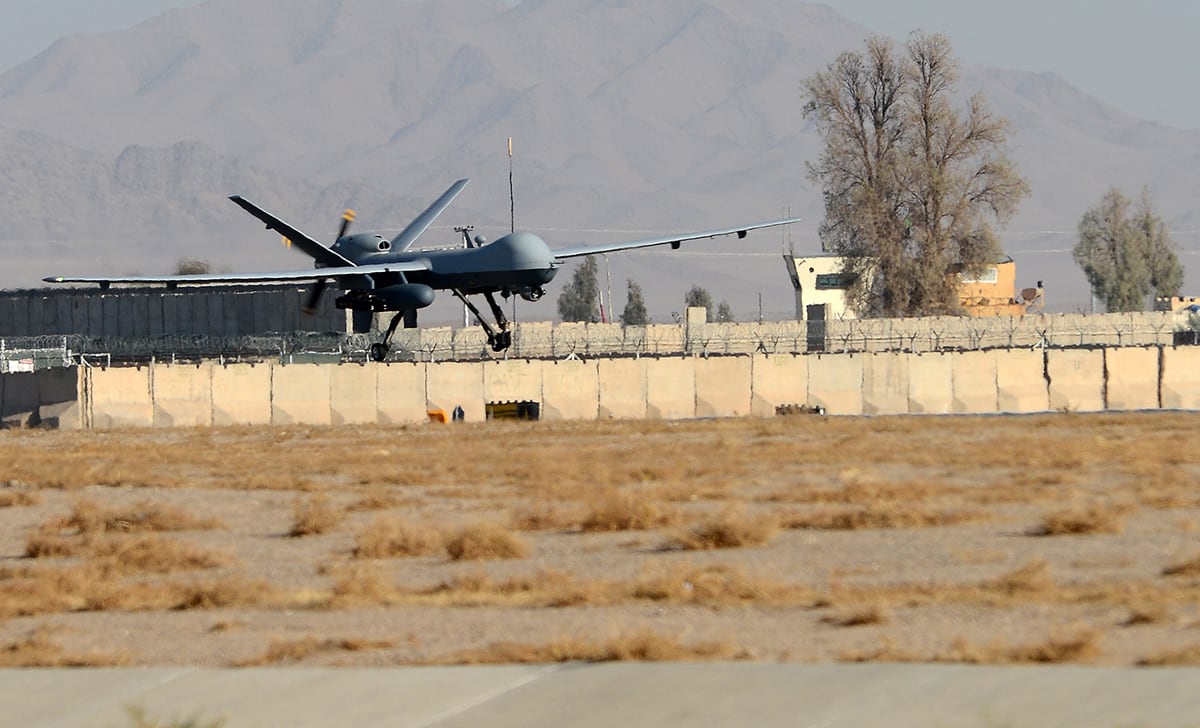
(379, 352)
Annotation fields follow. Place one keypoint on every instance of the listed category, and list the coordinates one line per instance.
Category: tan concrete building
(821, 290)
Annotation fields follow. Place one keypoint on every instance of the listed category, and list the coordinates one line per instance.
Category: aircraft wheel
(379, 352)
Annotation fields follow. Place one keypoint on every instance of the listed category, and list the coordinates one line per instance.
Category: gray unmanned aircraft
(377, 274)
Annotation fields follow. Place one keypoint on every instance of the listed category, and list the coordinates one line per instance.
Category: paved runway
(625, 695)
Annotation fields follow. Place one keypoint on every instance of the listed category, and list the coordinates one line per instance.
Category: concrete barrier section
(622, 388)
(300, 394)
(120, 397)
(58, 398)
(671, 388)
(241, 394)
(723, 386)
(570, 390)
(456, 384)
(835, 382)
(973, 383)
(18, 398)
(1076, 379)
(352, 394)
(512, 380)
(182, 394)
(1131, 378)
(400, 394)
(778, 380)
(931, 384)
(1021, 381)
(1181, 378)
(886, 383)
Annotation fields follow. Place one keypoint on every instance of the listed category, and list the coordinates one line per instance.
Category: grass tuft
(627, 511)
(485, 541)
(1080, 521)
(642, 646)
(389, 537)
(314, 516)
(731, 529)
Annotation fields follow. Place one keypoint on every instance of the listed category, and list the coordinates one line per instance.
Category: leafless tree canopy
(1127, 253)
(912, 185)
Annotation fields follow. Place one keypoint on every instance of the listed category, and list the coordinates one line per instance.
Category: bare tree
(1126, 252)
(912, 185)
(635, 306)
(578, 300)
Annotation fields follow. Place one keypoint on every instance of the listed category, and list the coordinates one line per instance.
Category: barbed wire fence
(582, 341)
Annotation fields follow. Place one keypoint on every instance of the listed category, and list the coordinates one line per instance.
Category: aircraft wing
(339, 273)
(673, 240)
(318, 252)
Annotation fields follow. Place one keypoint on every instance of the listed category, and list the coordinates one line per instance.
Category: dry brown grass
(1093, 518)
(732, 528)
(882, 516)
(1080, 645)
(545, 515)
(627, 511)
(866, 616)
(642, 646)
(390, 536)
(485, 540)
(313, 516)
(1188, 656)
(1187, 567)
(153, 554)
(89, 518)
(289, 652)
(39, 650)
(15, 498)
(1077, 646)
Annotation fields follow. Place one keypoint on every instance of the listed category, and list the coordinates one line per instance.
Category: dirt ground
(1054, 538)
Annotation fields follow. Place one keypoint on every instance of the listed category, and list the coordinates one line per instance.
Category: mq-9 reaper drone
(376, 274)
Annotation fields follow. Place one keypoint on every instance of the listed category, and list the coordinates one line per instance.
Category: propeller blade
(314, 296)
(347, 218)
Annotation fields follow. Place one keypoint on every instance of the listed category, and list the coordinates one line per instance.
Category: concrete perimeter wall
(885, 383)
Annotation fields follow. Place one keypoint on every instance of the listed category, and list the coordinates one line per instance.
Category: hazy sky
(1140, 56)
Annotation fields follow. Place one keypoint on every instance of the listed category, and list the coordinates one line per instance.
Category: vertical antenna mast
(512, 204)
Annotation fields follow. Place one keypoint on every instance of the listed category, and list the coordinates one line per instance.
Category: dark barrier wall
(126, 312)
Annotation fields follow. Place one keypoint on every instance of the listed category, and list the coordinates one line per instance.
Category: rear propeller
(314, 294)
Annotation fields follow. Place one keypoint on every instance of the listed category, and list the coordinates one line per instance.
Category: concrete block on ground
(886, 383)
(353, 393)
(931, 384)
(455, 384)
(723, 386)
(1181, 378)
(1021, 381)
(671, 388)
(1131, 378)
(182, 395)
(400, 393)
(835, 382)
(512, 380)
(18, 398)
(973, 383)
(1076, 379)
(241, 394)
(571, 390)
(300, 394)
(120, 397)
(622, 387)
(777, 380)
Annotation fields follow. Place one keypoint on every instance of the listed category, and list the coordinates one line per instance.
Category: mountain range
(117, 151)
